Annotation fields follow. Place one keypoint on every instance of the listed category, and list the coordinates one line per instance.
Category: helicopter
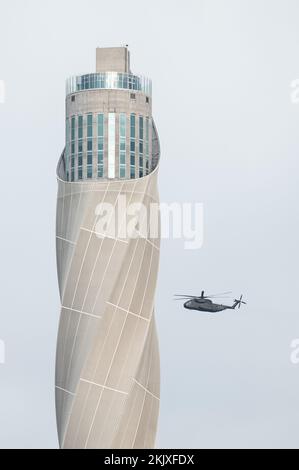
(205, 304)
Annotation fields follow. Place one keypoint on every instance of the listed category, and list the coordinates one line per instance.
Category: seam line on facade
(66, 240)
(103, 386)
(147, 240)
(102, 236)
(81, 312)
(146, 390)
(128, 311)
(64, 390)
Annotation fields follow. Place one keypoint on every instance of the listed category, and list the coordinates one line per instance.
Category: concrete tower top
(112, 59)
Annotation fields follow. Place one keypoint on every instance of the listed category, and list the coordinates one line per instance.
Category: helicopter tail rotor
(240, 301)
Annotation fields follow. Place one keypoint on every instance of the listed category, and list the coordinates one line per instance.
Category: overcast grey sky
(230, 139)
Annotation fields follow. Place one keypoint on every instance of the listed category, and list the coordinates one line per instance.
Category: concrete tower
(107, 363)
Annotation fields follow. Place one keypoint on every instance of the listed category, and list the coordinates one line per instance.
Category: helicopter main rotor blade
(205, 296)
(189, 297)
(217, 295)
(186, 296)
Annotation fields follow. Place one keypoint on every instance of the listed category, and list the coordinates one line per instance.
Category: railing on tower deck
(109, 80)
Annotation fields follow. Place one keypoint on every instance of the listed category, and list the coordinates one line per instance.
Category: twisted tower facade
(107, 362)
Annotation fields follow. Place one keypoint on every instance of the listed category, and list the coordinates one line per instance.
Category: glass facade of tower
(85, 146)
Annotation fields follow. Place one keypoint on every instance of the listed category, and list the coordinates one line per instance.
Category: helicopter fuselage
(205, 305)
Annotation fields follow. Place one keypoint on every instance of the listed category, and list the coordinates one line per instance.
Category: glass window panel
(73, 128)
(100, 125)
(122, 125)
(89, 125)
(80, 127)
(140, 127)
(89, 171)
(133, 126)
